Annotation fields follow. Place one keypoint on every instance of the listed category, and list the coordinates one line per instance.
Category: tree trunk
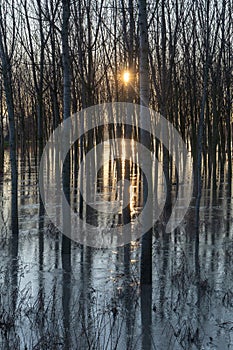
(1, 133)
(66, 243)
(146, 247)
(7, 79)
(201, 120)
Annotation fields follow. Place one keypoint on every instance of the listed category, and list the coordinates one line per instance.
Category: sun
(126, 77)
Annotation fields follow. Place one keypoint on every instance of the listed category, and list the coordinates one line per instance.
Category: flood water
(97, 304)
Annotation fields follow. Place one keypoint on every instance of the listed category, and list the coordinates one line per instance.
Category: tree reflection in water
(91, 299)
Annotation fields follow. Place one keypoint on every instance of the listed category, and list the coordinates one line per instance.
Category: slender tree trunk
(40, 119)
(146, 248)
(229, 144)
(199, 150)
(66, 243)
(1, 133)
(201, 121)
(7, 80)
(164, 111)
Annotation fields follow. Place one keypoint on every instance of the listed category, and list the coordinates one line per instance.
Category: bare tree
(6, 57)
(1, 131)
(206, 65)
(146, 250)
(66, 243)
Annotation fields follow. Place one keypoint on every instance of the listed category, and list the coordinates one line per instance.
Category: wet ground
(96, 301)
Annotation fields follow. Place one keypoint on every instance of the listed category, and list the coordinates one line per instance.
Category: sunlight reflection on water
(102, 289)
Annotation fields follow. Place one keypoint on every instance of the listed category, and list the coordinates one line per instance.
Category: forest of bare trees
(59, 57)
(190, 67)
